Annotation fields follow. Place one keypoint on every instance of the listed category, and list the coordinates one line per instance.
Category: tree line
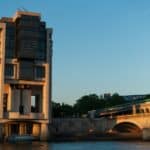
(85, 104)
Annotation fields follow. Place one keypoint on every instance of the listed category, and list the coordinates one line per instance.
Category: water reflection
(26, 146)
(107, 145)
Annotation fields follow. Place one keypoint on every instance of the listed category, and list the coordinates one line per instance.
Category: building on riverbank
(25, 75)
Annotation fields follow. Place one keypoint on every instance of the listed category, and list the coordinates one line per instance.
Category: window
(10, 31)
(26, 70)
(40, 55)
(5, 102)
(39, 72)
(42, 45)
(35, 103)
(9, 53)
(29, 127)
(9, 70)
(15, 128)
(10, 47)
(26, 44)
(50, 35)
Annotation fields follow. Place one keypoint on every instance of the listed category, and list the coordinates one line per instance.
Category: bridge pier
(146, 134)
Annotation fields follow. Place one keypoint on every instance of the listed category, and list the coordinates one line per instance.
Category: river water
(114, 145)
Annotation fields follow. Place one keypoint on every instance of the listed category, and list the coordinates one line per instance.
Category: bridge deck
(120, 109)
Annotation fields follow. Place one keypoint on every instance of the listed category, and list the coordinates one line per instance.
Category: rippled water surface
(77, 146)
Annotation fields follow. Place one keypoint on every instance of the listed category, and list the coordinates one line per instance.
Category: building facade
(25, 75)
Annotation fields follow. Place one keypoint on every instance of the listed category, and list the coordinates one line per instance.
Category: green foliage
(61, 110)
(147, 96)
(115, 99)
(85, 104)
(56, 109)
(67, 110)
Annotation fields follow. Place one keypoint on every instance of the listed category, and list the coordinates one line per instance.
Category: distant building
(25, 75)
(134, 97)
(107, 95)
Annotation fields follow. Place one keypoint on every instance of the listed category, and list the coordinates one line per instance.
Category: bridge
(129, 119)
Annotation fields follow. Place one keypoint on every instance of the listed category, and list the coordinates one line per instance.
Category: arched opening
(127, 127)
(147, 110)
(127, 130)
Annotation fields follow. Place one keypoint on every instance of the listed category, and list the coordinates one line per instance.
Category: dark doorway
(14, 129)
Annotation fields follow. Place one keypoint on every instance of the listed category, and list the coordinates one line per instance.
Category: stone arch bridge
(130, 120)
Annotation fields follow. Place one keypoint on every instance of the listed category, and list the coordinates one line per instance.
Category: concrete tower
(25, 75)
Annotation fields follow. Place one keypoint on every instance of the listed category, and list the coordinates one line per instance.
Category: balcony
(29, 116)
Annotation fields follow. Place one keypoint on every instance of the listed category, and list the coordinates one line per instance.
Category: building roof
(20, 13)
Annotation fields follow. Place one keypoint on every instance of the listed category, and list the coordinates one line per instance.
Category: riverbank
(97, 129)
(100, 137)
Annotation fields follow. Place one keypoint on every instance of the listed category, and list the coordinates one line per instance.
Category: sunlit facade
(25, 75)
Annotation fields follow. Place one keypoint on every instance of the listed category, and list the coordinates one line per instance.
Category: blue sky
(100, 46)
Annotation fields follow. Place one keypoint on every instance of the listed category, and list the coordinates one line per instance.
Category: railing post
(134, 109)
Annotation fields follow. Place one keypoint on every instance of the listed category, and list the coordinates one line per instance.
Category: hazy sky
(99, 46)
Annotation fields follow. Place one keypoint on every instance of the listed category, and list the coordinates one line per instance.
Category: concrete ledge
(17, 115)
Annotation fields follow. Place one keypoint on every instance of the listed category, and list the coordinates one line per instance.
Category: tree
(66, 110)
(93, 102)
(116, 100)
(61, 110)
(56, 110)
(87, 103)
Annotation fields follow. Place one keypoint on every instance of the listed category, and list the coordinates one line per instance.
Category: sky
(99, 46)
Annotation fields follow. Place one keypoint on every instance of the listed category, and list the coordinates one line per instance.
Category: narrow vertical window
(39, 72)
(9, 70)
(5, 99)
(35, 103)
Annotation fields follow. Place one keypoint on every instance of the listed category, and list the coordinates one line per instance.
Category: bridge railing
(120, 108)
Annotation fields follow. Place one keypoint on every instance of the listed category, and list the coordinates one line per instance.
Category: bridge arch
(127, 127)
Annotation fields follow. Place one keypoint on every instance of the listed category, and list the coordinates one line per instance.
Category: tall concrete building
(25, 75)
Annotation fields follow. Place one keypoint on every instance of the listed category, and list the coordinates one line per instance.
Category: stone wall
(79, 127)
(89, 129)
